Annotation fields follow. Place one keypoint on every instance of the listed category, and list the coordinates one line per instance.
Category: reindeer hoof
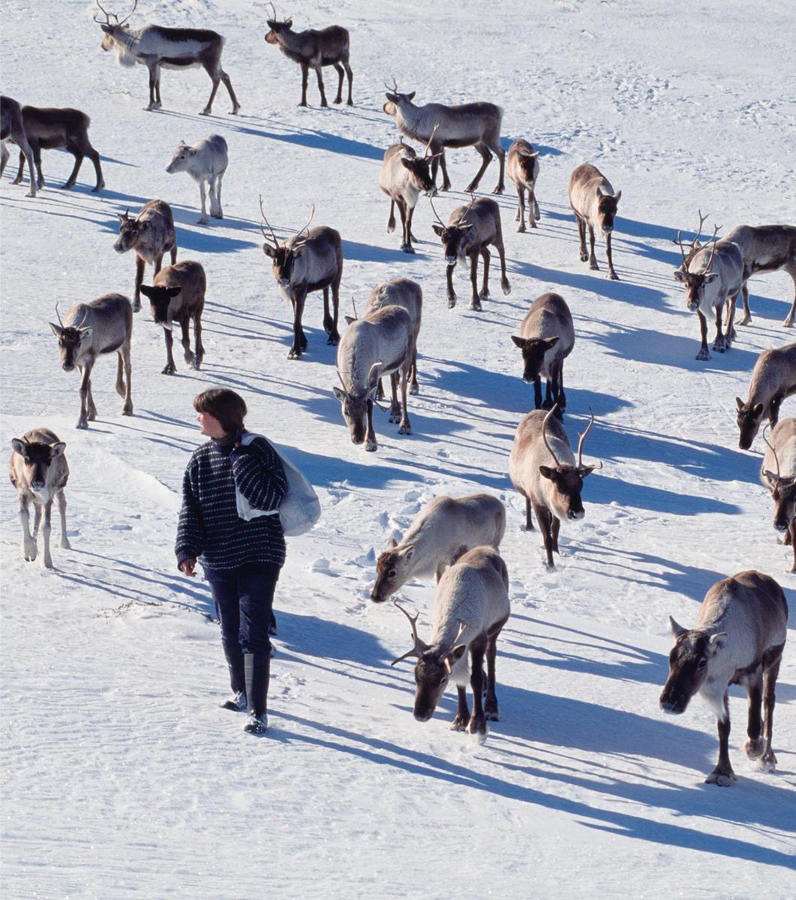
(722, 779)
(459, 723)
(128, 410)
(584, 257)
(137, 306)
(451, 301)
(499, 189)
(522, 229)
(295, 353)
(169, 370)
(613, 276)
(475, 305)
(370, 446)
(414, 389)
(65, 545)
(702, 355)
(407, 248)
(333, 340)
(594, 267)
(82, 424)
(754, 749)
(405, 429)
(491, 715)
(29, 551)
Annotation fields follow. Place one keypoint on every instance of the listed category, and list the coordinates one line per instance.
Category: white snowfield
(121, 777)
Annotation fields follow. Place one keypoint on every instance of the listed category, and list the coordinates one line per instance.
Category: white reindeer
(206, 162)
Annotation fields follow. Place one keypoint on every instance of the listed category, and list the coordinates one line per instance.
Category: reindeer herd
(740, 634)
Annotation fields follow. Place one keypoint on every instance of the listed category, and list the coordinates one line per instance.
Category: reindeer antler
(583, 438)
(312, 215)
(544, 437)
(106, 14)
(394, 87)
(345, 389)
(428, 145)
(129, 14)
(273, 236)
(59, 316)
(713, 249)
(419, 646)
(771, 448)
(436, 213)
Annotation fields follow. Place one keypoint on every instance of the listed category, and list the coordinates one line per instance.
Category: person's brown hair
(223, 404)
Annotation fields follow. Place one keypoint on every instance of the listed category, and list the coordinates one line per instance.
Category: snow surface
(121, 777)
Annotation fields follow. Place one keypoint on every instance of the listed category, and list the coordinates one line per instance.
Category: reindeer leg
(216, 79)
(475, 303)
(340, 75)
(609, 254)
(497, 147)
(548, 395)
(528, 516)
(451, 292)
(395, 406)
(120, 373)
(410, 212)
(65, 545)
(202, 220)
(46, 559)
(199, 350)
(37, 508)
(169, 369)
(219, 210)
(334, 336)
(153, 77)
(720, 344)
(491, 711)
(562, 397)
(504, 281)
(70, 182)
(85, 372)
(544, 517)
(520, 217)
(304, 78)
(486, 256)
(298, 310)
(402, 211)
(21, 172)
(729, 328)
(592, 256)
(29, 549)
(477, 723)
(139, 278)
(5, 154)
(486, 156)
(768, 760)
(127, 409)
(754, 746)
(446, 182)
(537, 392)
(391, 220)
(350, 74)
(414, 389)
(747, 316)
(462, 716)
(792, 534)
(158, 99)
(556, 527)
(533, 208)
(405, 426)
(228, 85)
(790, 268)
(212, 192)
(582, 237)
(723, 774)
(173, 253)
(37, 159)
(95, 159)
(370, 434)
(186, 341)
(319, 76)
(703, 327)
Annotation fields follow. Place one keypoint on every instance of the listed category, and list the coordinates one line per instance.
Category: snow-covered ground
(121, 778)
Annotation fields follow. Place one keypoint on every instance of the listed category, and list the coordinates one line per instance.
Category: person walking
(241, 558)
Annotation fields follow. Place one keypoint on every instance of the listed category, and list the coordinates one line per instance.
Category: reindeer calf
(408, 295)
(522, 167)
(773, 379)
(206, 162)
(151, 234)
(594, 203)
(404, 177)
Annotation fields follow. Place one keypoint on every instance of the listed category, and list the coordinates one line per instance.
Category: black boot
(257, 669)
(237, 679)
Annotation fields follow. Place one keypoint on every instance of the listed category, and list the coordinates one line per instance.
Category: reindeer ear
(268, 250)
(534, 155)
(123, 217)
(711, 277)
(19, 446)
(339, 393)
(719, 641)
(288, 23)
(438, 229)
(191, 151)
(143, 224)
(86, 334)
(57, 450)
(546, 472)
(407, 163)
(739, 403)
(453, 656)
(411, 96)
(147, 291)
(349, 319)
(57, 330)
(676, 630)
(585, 471)
(679, 275)
(758, 410)
(391, 543)
(173, 291)
(518, 341)
(551, 342)
(106, 28)
(618, 196)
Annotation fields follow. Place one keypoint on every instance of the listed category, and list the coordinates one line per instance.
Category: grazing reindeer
(50, 129)
(468, 125)
(443, 531)
(781, 454)
(470, 230)
(151, 234)
(594, 203)
(302, 264)
(773, 379)
(403, 177)
(206, 162)
(380, 344)
(12, 127)
(712, 278)
(522, 167)
(471, 606)
(738, 638)
(552, 490)
(313, 49)
(39, 472)
(170, 48)
(407, 294)
(178, 295)
(546, 338)
(90, 329)
(765, 248)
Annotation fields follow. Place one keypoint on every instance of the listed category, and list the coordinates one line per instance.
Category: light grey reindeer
(773, 379)
(778, 474)
(302, 264)
(51, 129)
(151, 234)
(404, 176)
(543, 469)
(104, 325)
(594, 203)
(469, 232)
(546, 338)
(712, 279)
(765, 248)
(467, 125)
(205, 162)
(39, 472)
(380, 344)
(178, 295)
(313, 49)
(522, 167)
(443, 531)
(738, 638)
(169, 48)
(12, 128)
(471, 606)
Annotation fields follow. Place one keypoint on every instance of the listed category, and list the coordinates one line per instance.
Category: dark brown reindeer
(171, 48)
(12, 128)
(302, 264)
(51, 129)
(469, 232)
(151, 234)
(178, 295)
(313, 49)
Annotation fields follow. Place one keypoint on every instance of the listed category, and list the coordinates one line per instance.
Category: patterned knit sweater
(210, 528)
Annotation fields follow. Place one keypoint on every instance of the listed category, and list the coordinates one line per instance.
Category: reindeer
(470, 230)
(178, 295)
(443, 531)
(39, 472)
(773, 379)
(51, 129)
(90, 329)
(468, 125)
(151, 234)
(407, 294)
(522, 167)
(546, 338)
(712, 278)
(471, 606)
(306, 263)
(738, 638)
(765, 248)
(170, 48)
(594, 204)
(12, 127)
(380, 344)
(206, 162)
(782, 482)
(553, 491)
(313, 49)
(403, 177)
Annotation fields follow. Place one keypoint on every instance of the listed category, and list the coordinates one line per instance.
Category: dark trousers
(244, 598)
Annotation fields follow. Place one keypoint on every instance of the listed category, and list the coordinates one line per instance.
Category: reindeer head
(455, 237)
(181, 158)
(689, 663)
(534, 351)
(527, 166)
(433, 668)
(355, 405)
(160, 302)
(783, 491)
(392, 569)
(37, 458)
(420, 169)
(283, 256)
(112, 29)
(399, 101)
(567, 481)
(695, 282)
(607, 205)
(72, 341)
(130, 232)
(276, 26)
(749, 418)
